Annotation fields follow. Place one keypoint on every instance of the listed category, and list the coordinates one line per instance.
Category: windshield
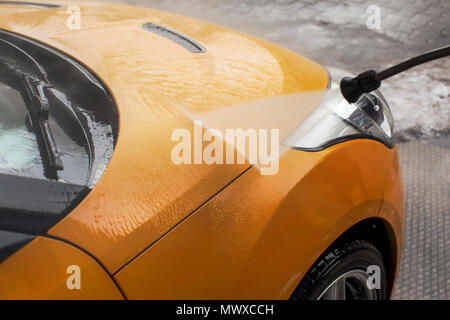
(55, 116)
(19, 150)
(57, 121)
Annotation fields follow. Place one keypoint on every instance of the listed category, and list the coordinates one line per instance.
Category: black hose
(408, 64)
(370, 80)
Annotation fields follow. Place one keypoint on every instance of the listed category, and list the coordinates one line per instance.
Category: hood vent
(175, 36)
(31, 4)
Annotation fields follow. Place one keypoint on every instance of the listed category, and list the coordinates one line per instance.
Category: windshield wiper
(38, 109)
(38, 112)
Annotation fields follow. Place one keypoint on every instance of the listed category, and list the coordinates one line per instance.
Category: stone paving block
(434, 11)
(426, 254)
(420, 19)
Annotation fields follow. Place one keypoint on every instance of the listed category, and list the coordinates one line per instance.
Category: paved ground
(335, 33)
(426, 256)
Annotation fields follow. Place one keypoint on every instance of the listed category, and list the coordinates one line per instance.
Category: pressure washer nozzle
(353, 88)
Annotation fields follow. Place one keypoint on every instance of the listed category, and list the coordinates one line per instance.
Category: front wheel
(352, 271)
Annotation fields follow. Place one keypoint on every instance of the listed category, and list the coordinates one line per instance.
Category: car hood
(142, 193)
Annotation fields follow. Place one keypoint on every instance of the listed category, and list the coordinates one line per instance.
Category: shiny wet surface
(407, 29)
(337, 42)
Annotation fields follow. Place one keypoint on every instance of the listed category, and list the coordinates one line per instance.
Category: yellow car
(93, 205)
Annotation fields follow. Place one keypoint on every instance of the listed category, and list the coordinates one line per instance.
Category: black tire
(337, 261)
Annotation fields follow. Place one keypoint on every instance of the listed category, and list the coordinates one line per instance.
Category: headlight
(335, 120)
